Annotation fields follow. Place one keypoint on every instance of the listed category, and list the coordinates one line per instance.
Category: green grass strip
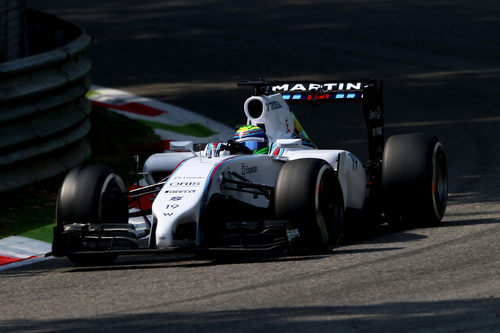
(196, 130)
(92, 93)
(43, 233)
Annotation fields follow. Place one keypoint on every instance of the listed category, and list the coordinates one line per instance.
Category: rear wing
(365, 92)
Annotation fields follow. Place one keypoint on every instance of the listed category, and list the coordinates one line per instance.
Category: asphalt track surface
(441, 70)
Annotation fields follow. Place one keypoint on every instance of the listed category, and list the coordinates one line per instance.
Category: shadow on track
(439, 316)
(147, 262)
(470, 222)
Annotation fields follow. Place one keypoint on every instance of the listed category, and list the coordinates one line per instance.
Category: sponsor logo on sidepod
(245, 169)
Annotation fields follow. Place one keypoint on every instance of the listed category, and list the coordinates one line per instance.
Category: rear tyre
(414, 179)
(91, 194)
(308, 195)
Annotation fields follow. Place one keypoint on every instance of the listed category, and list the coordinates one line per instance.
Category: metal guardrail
(43, 108)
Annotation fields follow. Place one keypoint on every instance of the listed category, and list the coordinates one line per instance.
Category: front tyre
(414, 179)
(308, 195)
(89, 194)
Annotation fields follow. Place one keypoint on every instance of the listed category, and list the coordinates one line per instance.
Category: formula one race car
(269, 187)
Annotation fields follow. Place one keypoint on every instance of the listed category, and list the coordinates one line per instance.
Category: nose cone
(179, 201)
(173, 211)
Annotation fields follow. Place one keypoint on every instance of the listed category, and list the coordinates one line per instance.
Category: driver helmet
(252, 137)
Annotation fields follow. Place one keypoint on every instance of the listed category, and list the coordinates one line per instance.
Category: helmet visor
(252, 145)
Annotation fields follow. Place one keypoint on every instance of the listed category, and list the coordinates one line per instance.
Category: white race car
(267, 188)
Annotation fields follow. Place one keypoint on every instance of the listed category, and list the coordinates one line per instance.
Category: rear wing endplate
(365, 92)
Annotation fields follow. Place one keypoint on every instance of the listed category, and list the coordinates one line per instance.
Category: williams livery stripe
(212, 173)
(213, 148)
(278, 152)
(175, 169)
(312, 97)
(275, 151)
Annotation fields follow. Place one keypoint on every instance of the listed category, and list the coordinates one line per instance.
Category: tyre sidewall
(297, 199)
(85, 197)
(409, 178)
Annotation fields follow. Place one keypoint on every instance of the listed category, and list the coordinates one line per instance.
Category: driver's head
(253, 137)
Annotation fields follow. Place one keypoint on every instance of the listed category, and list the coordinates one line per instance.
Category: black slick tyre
(309, 197)
(91, 194)
(414, 179)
